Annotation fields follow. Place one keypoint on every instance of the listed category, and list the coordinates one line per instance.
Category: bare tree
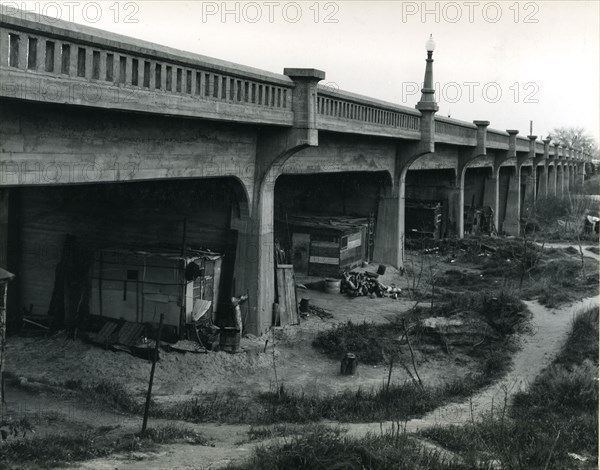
(576, 137)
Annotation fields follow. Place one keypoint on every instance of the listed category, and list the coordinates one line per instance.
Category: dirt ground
(180, 376)
(56, 359)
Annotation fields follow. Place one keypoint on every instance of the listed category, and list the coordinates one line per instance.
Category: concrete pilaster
(552, 180)
(560, 176)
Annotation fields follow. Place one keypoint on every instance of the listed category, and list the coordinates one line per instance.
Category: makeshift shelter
(138, 285)
(423, 219)
(327, 246)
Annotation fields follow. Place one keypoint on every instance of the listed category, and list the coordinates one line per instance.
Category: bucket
(304, 305)
(332, 286)
(381, 269)
(348, 365)
(229, 339)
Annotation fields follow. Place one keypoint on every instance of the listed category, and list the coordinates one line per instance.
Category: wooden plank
(292, 301)
(284, 318)
(129, 333)
(286, 286)
(105, 332)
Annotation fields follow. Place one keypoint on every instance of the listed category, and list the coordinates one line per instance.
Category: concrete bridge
(117, 140)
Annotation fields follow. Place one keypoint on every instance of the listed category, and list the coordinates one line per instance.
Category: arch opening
(63, 228)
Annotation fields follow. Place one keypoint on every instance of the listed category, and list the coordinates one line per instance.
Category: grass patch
(553, 276)
(106, 392)
(559, 413)
(399, 401)
(261, 433)
(503, 312)
(327, 448)
(60, 450)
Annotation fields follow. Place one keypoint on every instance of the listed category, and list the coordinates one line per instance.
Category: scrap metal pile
(356, 284)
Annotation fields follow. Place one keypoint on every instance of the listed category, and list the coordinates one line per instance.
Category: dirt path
(550, 327)
(584, 247)
(49, 413)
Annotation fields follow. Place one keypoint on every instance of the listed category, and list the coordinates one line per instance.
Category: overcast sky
(506, 62)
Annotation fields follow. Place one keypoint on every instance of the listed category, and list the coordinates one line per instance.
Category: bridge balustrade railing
(95, 70)
(344, 111)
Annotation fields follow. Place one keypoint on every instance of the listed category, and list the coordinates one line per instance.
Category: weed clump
(330, 448)
(60, 450)
(366, 340)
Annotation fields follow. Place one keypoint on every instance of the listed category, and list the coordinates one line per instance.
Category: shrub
(328, 448)
(366, 340)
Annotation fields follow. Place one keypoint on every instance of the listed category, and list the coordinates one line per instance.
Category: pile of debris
(356, 284)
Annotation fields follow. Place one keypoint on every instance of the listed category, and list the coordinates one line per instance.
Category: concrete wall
(51, 144)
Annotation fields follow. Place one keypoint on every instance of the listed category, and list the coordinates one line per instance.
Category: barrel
(229, 339)
(381, 269)
(332, 286)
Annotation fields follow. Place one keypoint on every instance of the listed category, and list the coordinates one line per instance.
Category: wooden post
(154, 358)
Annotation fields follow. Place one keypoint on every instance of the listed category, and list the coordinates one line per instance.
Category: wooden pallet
(126, 335)
(130, 333)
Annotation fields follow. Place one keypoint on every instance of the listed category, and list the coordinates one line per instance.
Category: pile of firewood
(357, 284)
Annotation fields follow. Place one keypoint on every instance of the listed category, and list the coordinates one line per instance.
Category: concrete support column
(457, 196)
(254, 272)
(530, 186)
(4, 204)
(389, 231)
(560, 178)
(544, 169)
(580, 176)
(511, 223)
(10, 251)
(491, 195)
(572, 178)
(552, 180)
(543, 181)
